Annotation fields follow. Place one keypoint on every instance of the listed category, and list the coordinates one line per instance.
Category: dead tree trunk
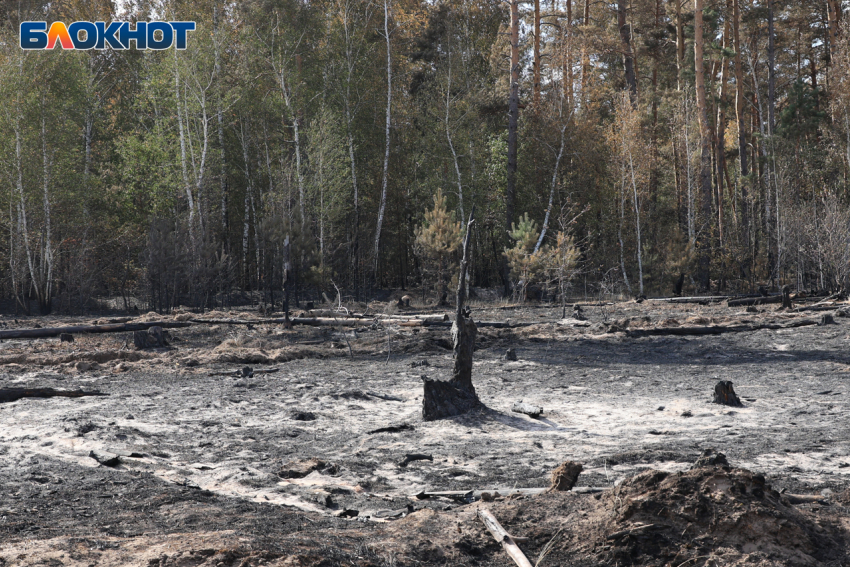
(456, 396)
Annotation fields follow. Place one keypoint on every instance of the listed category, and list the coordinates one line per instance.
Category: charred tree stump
(725, 395)
(677, 289)
(564, 478)
(826, 319)
(154, 337)
(457, 396)
(786, 297)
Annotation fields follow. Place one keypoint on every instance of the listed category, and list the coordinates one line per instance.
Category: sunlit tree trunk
(585, 57)
(740, 115)
(626, 48)
(705, 142)
(680, 45)
(536, 63)
(720, 161)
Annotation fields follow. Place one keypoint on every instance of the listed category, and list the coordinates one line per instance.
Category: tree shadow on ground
(484, 416)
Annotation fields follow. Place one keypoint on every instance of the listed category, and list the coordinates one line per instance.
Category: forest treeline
(338, 146)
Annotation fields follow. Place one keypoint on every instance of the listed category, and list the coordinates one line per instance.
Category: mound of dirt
(713, 511)
(709, 515)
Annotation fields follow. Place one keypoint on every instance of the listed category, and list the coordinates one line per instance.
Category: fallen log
(15, 394)
(810, 308)
(246, 372)
(717, 329)
(409, 458)
(78, 329)
(700, 300)
(825, 304)
(804, 498)
(746, 302)
(495, 324)
(527, 409)
(503, 537)
(473, 495)
(385, 397)
(630, 531)
(327, 322)
(415, 317)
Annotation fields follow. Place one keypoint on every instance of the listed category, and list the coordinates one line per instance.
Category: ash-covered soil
(184, 462)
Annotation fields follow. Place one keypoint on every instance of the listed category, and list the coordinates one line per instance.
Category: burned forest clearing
(251, 444)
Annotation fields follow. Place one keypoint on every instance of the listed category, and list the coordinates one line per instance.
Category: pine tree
(437, 241)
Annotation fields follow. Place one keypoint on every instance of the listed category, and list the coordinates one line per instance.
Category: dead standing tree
(457, 396)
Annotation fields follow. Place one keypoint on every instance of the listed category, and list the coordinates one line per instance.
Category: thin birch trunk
(636, 203)
(383, 204)
(449, 138)
(552, 190)
(225, 222)
(286, 90)
(247, 204)
(692, 236)
(620, 233)
(183, 159)
(46, 276)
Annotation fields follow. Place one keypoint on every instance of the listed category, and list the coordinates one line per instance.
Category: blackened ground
(206, 460)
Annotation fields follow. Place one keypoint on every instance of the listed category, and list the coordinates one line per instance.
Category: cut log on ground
(503, 537)
(457, 396)
(15, 394)
(724, 394)
(117, 328)
(528, 409)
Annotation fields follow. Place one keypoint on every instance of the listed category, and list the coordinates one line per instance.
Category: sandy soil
(272, 468)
